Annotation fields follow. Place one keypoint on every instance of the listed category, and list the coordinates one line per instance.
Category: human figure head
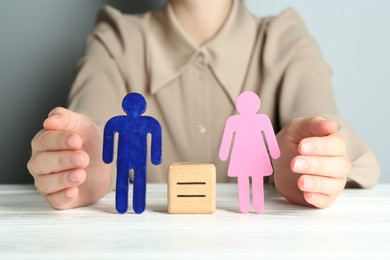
(248, 103)
(134, 104)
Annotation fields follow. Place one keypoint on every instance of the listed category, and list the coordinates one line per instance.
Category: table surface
(356, 226)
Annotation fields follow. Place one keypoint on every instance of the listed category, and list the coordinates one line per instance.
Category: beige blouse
(191, 90)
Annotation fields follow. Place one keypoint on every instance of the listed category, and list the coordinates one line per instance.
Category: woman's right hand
(66, 160)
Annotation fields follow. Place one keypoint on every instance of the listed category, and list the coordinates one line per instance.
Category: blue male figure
(133, 129)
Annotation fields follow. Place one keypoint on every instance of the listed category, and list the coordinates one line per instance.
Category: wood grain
(191, 188)
(356, 226)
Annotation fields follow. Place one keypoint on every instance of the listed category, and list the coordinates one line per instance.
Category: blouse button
(201, 59)
(202, 129)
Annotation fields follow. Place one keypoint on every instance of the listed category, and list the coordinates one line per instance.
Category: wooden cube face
(191, 188)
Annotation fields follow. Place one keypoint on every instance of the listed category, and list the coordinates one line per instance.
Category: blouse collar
(227, 53)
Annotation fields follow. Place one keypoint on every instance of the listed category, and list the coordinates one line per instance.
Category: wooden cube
(191, 188)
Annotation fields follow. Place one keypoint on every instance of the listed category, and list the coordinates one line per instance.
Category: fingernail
(68, 194)
(313, 197)
(308, 183)
(78, 159)
(301, 165)
(72, 142)
(74, 177)
(307, 147)
(53, 117)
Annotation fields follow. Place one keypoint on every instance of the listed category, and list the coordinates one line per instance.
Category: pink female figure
(252, 134)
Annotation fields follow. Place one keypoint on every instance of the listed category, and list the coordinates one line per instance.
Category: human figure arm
(108, 141)
(227, 138)
(156, 145)
(270, 138)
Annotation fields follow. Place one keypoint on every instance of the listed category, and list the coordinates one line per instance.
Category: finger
(50, 183)
(319, 184)
(64, 199)
(49, 162)
(66, 120)
(334, 167)
(319, 200)
(332, 145)
(55, 141)
(313, 126)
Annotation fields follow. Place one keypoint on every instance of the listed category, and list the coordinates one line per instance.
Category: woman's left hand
(313, 166)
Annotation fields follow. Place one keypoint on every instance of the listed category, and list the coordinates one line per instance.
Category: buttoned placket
(201, 65)
(202, 124)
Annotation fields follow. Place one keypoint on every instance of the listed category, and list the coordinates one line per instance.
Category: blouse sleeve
(305, 89)
(99, 83)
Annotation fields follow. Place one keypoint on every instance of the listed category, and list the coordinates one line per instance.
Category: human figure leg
(139, 190)
(122, 188)
(243, 193)
(258, 194)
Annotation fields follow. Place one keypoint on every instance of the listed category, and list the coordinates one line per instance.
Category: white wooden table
(357, 226)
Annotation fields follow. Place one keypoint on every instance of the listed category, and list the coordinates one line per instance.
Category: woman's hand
(66, 160)
(313, 166)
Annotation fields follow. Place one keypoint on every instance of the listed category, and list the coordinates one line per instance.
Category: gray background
(41, 40)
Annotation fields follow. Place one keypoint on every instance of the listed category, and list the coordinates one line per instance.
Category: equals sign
(191, 196)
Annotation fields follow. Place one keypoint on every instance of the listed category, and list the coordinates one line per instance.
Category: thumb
(312, 127)
(62, 119)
